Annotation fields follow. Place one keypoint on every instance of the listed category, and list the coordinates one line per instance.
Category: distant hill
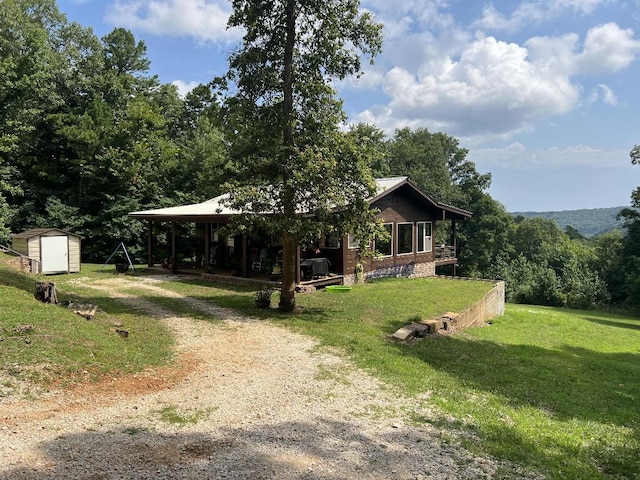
(589, 222)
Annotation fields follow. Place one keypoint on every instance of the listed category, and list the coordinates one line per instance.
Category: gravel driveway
(259, 402)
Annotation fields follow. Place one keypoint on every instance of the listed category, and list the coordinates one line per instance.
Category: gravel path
(264, 403)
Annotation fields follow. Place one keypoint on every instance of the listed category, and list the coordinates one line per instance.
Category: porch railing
(445, 252)
(32, 263)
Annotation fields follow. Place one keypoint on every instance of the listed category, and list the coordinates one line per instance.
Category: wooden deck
(257, 279)
(331, 279)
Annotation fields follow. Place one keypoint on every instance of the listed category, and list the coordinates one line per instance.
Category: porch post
(454, 238)
(297, 277)
(207, 246)
(150, 243)
(454, 242)
(245, 270)
(174, 259)
(344, 246)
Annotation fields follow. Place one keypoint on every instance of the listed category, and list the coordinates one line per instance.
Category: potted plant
(263, 298)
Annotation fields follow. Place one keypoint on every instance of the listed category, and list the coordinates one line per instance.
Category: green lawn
(63, 346)
(556, 391)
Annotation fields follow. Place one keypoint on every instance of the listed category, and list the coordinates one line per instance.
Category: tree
(374, 143)
(25, 67)
(290, 157)
(630, 251)
(436, 163)
(203, 155)
(573, 233)
(423, 157)
(609, 264)
(547, 267)
(485, 237)
(7, 187)
(102, 146)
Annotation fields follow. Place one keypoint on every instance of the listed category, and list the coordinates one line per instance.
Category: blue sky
(543, 93)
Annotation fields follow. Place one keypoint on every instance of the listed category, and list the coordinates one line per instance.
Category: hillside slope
(589, 222)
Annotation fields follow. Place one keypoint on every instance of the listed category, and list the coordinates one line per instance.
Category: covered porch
(253, 257)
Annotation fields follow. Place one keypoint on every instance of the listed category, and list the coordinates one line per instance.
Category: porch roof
(209, 210)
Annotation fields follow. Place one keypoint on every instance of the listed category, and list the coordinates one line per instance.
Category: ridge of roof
(34, 232)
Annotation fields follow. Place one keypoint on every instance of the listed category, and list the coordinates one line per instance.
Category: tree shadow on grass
(21, 280)
(324, 449)
(626, 323)
(567, 385)
(572, 382)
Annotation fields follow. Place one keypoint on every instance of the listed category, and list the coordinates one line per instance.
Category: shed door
(54, 254)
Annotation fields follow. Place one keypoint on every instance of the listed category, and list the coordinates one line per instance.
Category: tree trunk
(46, 292)
(290, 244)
(288, 290)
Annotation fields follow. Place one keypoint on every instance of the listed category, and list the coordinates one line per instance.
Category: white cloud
(602, 93)
(427, 13)
(491, 89)
(554, 54)
(184, 87)
(607, 48)
(488, 89)
(206, 20)
(534, 12)
(517, 156)
(608, 96)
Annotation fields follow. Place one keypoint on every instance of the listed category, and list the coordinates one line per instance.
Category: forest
(589, 222)
(87, 135)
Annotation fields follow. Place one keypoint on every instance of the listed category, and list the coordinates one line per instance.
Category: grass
(555, 391)
(63, 345)
(182, 417)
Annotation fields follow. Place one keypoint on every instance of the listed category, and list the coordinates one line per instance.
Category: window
(424, 237)
(352, 242)
(405, 238)
(384, 246)
(330, 241)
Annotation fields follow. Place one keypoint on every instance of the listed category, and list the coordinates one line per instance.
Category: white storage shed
(51, 250)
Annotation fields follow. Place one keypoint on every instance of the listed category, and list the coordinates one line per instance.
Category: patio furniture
(315, 267)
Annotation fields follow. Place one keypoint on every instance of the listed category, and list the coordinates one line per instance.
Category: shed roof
(35, 232)
(216, 209)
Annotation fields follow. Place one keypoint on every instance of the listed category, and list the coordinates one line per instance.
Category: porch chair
(256, 264)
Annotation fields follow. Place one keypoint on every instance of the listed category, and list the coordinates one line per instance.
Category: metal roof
(216, 209)
(208, 208)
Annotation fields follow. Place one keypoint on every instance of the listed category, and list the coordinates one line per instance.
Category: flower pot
(263, 304)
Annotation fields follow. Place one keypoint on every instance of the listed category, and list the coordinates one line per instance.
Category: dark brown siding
(396, 208)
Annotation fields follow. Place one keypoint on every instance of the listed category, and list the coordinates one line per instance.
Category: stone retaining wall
(490, 306)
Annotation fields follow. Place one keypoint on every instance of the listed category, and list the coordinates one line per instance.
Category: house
(50, 250)
(409, 215)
